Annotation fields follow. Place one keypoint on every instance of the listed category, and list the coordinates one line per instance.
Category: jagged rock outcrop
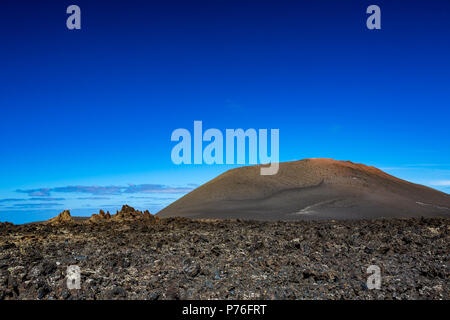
(63, 217)
(128, 213)
(100, 217)
(6, 224)
(125, 215)
(149, 218)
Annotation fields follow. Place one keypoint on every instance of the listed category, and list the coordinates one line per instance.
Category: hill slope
(310, 189)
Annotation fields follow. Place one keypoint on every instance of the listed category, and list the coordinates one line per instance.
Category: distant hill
(309, 189)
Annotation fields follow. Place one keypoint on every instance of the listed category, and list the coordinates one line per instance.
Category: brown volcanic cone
(310, 189)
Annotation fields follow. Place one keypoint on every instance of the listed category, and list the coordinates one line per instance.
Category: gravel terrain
(178, 258)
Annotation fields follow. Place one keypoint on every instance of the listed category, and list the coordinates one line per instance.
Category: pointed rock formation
(63, 217)
(100, 217)
(149, 218)
(128, 213)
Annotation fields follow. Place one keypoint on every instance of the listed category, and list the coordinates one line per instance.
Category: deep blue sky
(95, 108)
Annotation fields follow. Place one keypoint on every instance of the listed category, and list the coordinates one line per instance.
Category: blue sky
(87, 115)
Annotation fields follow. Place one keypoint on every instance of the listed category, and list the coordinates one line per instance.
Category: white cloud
(440, 183)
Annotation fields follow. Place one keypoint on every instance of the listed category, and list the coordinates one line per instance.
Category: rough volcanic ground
(187, 259)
